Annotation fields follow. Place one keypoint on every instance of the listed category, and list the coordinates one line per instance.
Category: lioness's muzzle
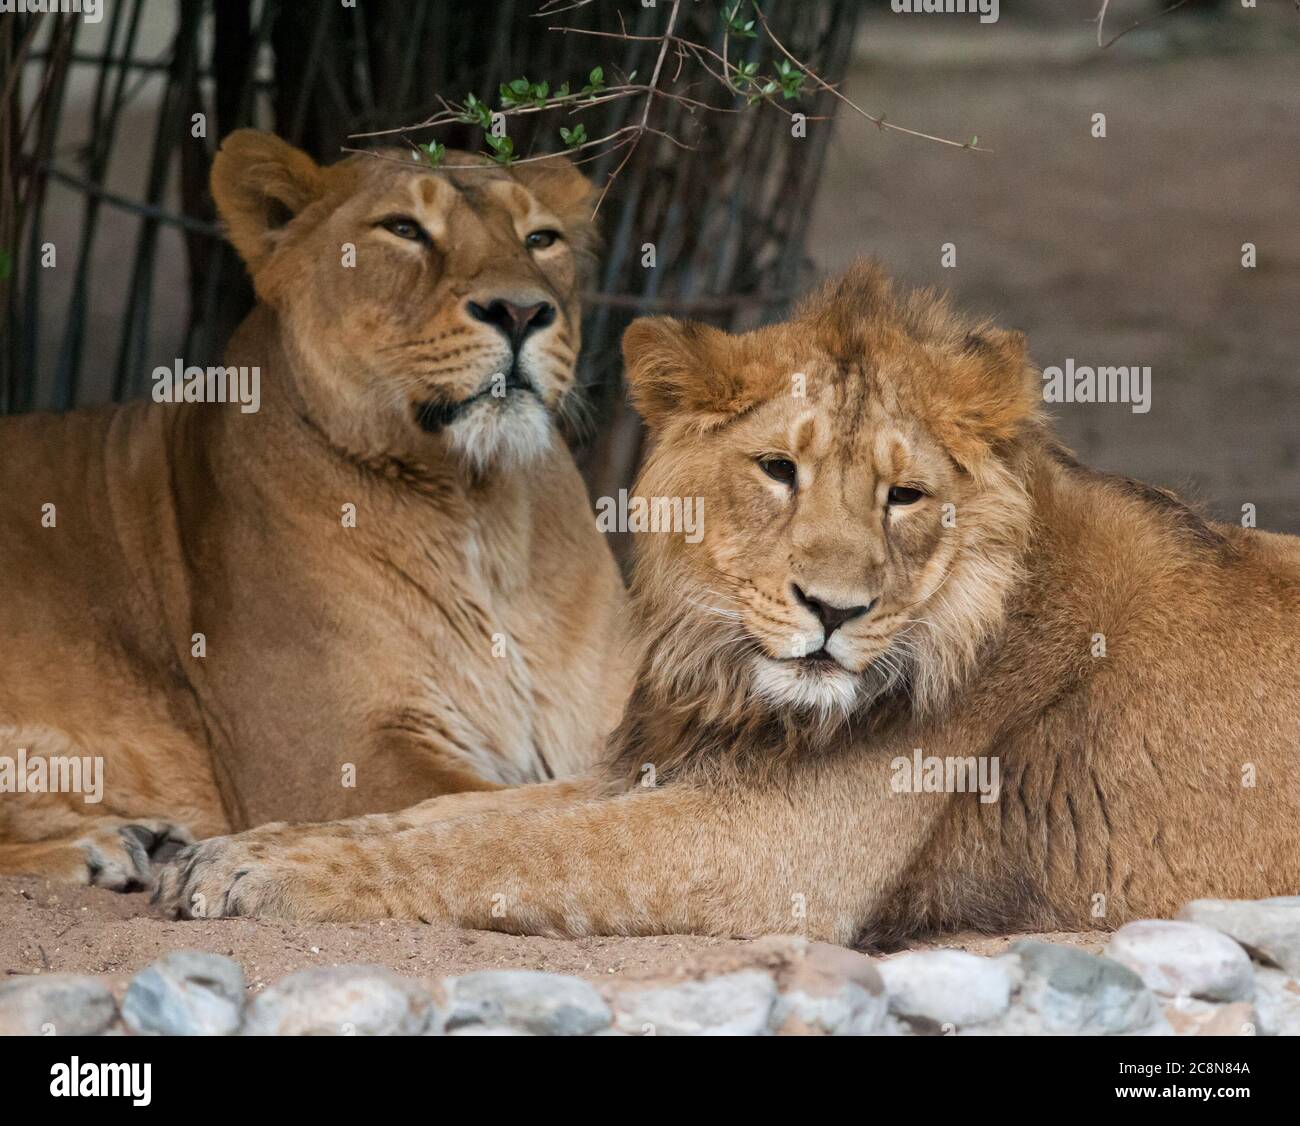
(434, 414)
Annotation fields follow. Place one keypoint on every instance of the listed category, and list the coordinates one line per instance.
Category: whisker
(718, 610)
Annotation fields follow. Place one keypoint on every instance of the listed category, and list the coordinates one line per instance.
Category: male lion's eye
(403, 226)
(780, 469)
(540, 240)
(901, 494)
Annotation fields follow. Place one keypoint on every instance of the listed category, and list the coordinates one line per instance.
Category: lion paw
(123, 856)
(245, 874)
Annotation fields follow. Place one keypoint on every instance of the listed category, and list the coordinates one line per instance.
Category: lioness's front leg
(812, 857)
(541, 795)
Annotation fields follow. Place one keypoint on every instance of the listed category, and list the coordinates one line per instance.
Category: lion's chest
(484, 676)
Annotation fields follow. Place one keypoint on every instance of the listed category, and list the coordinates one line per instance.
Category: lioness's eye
(540, 240)
(780, 469)
(901, 494)
(403, 226)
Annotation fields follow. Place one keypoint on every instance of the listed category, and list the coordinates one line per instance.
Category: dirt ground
(58, 928)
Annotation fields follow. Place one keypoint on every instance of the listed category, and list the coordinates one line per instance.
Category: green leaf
(476, 112)
(503, 148)
(736, 25)
(432, 153)
(575, 136)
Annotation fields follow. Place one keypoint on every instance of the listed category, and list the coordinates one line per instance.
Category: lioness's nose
(831, 617)
(514, 321)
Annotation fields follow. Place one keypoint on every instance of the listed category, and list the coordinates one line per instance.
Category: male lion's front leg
(812, 858)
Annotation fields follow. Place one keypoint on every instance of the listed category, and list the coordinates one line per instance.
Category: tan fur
(730, 806)
(464, 635)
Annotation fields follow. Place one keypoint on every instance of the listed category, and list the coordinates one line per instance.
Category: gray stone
(1277, 1002)
(897, 1026)
(55, 1005)
(541, 1003)
(845, 1010)
(488, 1030)
(947, 987)
(733, 1004)
(1072, 991)
(186, 993)
(829, 991)
(1268, 928)
(1181, 959)
(341, 1001)
(1189, 1017)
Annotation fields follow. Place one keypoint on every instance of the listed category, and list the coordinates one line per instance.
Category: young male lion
(383, 584)
(898, 560)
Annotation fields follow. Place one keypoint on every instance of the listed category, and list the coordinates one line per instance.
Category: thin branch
(879, 122)
(754, 88)
(548, 8)
(627, 129)
(1101, 20)
(659, 62)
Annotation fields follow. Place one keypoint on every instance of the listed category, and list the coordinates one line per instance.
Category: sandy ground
(58, 928)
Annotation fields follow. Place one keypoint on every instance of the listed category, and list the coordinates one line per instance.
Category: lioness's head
(861, 520)
(424, 310)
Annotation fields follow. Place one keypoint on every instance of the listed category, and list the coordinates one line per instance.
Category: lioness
(385, 583)
(897, 555)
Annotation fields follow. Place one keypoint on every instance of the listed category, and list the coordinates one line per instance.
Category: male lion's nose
(514, 321)
(831, 617)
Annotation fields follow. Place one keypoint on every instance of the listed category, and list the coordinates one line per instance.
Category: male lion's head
(861, 517)
(424, 310)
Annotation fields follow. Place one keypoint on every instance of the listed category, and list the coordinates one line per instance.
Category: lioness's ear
(566, 191)
(259, 183)
(676, 368)
(989, 393)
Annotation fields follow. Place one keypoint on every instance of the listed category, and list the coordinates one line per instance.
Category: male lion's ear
(259, 183)
(676, 368)
(988, 394)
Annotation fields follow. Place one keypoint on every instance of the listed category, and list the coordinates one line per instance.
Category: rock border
(1224, 967)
